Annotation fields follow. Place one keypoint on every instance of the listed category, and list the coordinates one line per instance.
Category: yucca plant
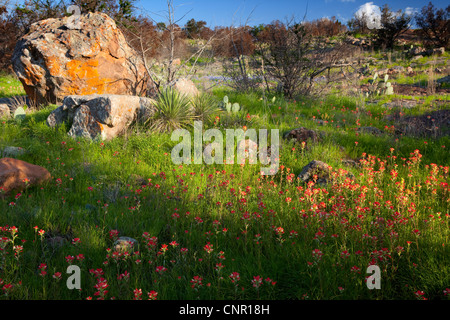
(172, 112)
(204, 107)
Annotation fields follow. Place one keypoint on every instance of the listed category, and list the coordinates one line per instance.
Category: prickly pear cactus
(19, 114)
(389, 89)
(380, 87)
(228, 106)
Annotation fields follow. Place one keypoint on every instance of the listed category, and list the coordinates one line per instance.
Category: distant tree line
(15, 20)
(433, 26)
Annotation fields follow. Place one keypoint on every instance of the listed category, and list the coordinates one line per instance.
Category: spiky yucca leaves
(204, 107)
(172, 112)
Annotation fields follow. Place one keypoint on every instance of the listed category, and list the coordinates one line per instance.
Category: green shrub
(172, 112)
(204, 107)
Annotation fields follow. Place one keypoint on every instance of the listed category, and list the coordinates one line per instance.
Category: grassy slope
(93, 191)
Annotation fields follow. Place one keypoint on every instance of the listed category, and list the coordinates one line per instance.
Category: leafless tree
(239, 47)
(435, 25)
(168, 41)
(237, 68)
(294, 58)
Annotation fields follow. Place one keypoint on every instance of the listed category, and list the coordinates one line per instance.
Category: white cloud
(371, 14)
(410, 11)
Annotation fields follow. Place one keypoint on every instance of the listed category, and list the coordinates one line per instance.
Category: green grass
(253, 225)
(200, 61)
(420, 80)
(10, 86)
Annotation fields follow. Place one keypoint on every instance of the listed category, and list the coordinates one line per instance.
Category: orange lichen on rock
(34, 74)
(85, 79)
(54, 66)
(82, 69)
(53, 61)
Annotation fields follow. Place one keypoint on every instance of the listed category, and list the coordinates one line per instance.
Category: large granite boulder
(57, 58)
(186, 87)
(17, 175)
(100, 116)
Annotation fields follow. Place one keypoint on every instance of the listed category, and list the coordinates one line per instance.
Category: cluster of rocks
(89, 68)
(100, 116)
(316, 170)
(358, 42)
(419, 52)
(106, 116)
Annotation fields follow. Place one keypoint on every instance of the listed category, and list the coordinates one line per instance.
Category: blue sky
(236, 12)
